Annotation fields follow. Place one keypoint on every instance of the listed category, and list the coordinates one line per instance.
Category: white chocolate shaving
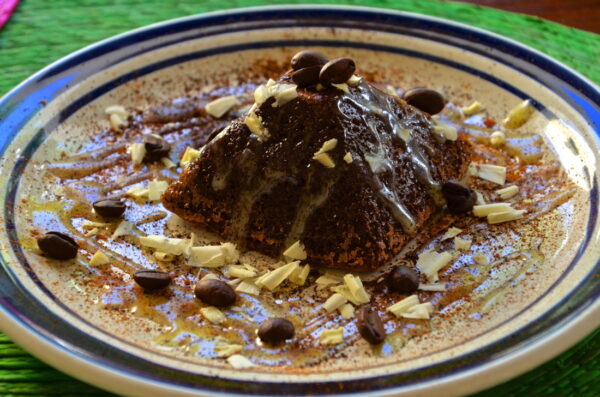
(492, 173)
(450, 233)
(518, 115)
(508, 192)
(430, 262)
(334, 302)
(190, 154)
(295, 251)
(219, 107)
(137, 151)
(473, 108)
(332, 336)
(174, 246)
(324, 159)
(348, 157)
(213, 315)
(123, 229)
(347, 310)
(227, 350)
(486, 209)
(156, 189)
(238, 361)
(500, 217)
(99, 258)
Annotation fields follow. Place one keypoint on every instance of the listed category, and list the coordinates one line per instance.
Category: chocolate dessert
(325, 159)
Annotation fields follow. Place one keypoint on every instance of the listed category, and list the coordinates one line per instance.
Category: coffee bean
(156, 148)
(337, 71)
(215, 292)
(404, 280)
(307, 76)
(305, 59)
(370, 325)
(58, 245)
(459, 197)
(109, 208)
(152, 279)
(276, 330)
(424, 99)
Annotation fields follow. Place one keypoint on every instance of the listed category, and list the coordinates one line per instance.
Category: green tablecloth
(42, 31)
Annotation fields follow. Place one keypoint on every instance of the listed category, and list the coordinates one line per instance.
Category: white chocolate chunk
(137, 151)
(174, 246)
(99, 258)
(156, 189)
(342, 87)
(163, 256)
(213, 315)
(508, 192)
(299, 275)
(334, 302)
(227, 350)
(344, 290)
(497, 138)
(327, 279)
(231, 252)
(254, 124)
(518, 115)
(117, 109)
(486, 209)
(430, 262)
(348, 157)
(137, 192)
(207, 256)
(354, 80)
(324, 159)
(356, 288)
(500, 217)
(248, 287)
(480, 259)
(332, 336)
(492, 173)
(274, 278)
(190, 154)
(295, 251)
(240, 272)
(421, 311)
(480, 198)
(219, 107)
(450, 233)
(238, 361)
(462, 244)
(327, 146)
(402, 306)
(347, 310)
(448, 131)
(473, 108)
(123, 229)
(89, 224)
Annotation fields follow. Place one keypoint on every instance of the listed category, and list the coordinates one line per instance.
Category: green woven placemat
(43, 31)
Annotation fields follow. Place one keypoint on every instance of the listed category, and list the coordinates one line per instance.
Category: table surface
(43, 31)
(581, 14)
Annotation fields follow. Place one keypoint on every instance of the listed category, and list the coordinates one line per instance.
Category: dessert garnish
(403, 280)
(152, 279)
(215, 292)
(58, 245)
(109, 208)
(370, 326)
(275, 330)
(265, 215)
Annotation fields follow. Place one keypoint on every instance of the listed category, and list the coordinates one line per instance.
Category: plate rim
(537, 351)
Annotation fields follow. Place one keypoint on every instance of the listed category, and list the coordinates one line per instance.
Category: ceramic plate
(59, 109)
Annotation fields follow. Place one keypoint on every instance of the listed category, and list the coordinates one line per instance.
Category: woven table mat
(42, 31)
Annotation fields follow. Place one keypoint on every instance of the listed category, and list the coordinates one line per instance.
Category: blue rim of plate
(21, 104)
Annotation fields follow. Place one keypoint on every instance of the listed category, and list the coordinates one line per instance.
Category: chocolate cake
(346, 169)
